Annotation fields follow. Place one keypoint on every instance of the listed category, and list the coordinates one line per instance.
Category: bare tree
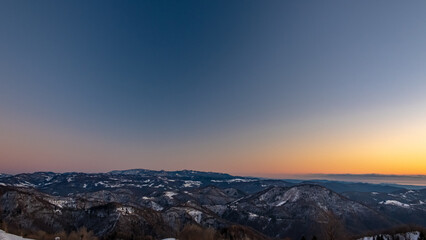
(333, 229)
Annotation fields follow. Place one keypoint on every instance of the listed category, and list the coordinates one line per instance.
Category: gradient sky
(244, 87)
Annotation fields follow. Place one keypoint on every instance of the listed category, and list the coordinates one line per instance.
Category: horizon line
(235, 173)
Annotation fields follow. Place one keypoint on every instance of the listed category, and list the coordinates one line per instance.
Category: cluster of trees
(313, 238)
(80, 234)
(235, 232)
(195, 232)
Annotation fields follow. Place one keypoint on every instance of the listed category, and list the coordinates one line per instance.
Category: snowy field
(402, 236)
(7, 236)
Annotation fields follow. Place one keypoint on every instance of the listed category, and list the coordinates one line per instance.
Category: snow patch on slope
(189, 183)
(281, 203)
(170, 194)
(252, 216)
(8, 236)
(125, 210)
(395, 203)
(401, 236)
(195, 214)
(235, 180)
(155, 206)
(58, 202)
(291, 195)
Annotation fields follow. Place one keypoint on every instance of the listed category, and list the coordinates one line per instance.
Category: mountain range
(147, 204)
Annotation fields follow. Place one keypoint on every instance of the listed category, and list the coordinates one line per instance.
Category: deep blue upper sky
(160, 72)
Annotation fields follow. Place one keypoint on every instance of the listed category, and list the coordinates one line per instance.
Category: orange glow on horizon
(382, 147)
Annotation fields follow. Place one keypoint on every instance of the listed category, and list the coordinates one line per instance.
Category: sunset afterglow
(251, 89)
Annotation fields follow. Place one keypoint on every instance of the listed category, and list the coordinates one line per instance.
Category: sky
(245, 87)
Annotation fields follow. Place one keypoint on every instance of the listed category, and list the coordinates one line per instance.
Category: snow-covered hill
(400, 236)
(8, 236)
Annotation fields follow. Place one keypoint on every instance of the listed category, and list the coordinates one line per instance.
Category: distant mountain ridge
(335, 185)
